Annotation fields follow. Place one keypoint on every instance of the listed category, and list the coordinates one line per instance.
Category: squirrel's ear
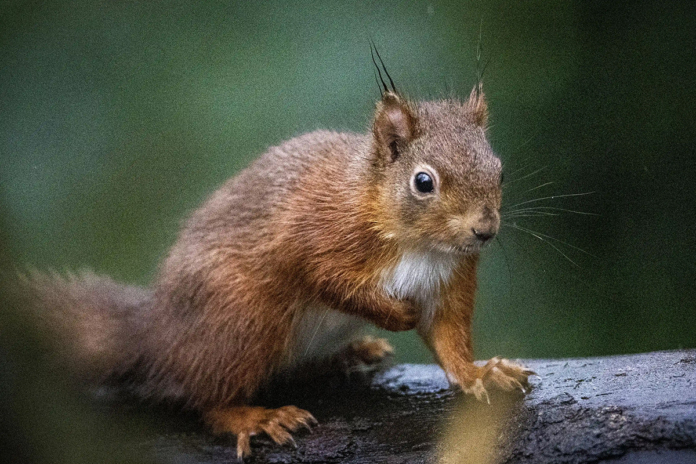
(394, 126)
(477, 106)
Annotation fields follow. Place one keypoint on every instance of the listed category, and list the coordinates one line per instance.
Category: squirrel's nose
(483, 234)
(487, 225)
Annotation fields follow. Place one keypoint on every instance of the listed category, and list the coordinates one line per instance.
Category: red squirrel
(291, 257)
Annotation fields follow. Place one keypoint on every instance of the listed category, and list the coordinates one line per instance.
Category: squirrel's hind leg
(246, 421)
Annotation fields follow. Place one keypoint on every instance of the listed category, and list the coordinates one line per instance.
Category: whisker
(553, 197)
(518, 170)
(552, 208)
(510, 214)
(507, 264)
(526, 142)
(545, 241)
(316, 329)
(538, 187)
(532, 214)
(557, 240)
(528, 175)
(591, 286)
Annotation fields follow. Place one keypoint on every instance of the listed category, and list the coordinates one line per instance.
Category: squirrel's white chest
(419, 276)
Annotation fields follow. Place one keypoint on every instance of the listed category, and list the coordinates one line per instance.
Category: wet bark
(634, 408)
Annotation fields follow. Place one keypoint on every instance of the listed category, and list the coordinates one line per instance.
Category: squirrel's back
(257, 192)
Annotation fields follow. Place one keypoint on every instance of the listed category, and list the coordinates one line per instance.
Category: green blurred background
(118, 118)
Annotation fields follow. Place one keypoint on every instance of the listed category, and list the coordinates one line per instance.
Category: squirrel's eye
(423, 182)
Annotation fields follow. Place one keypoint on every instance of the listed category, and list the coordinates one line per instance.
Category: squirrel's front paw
(497, 373)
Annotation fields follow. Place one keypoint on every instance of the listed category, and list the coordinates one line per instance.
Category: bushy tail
(96, 324)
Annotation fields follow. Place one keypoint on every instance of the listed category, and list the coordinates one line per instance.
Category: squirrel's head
(439, 182)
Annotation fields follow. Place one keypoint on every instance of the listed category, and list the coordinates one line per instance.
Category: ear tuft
(394, 126)
(477, 106)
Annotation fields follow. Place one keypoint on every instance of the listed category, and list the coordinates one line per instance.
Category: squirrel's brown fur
(291, 256)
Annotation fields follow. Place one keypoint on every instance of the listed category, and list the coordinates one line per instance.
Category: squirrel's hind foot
(246, 421)
(362, 356)
(369, 350)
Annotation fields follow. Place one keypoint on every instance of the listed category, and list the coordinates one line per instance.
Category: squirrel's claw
(243, 446)
(498, 373)
(246, 421)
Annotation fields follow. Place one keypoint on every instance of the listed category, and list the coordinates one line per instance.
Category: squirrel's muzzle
(473, 230)
(485, 225)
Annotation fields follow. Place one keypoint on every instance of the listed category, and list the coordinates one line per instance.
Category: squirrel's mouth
(462, 249)
(467, 249)
(470, 248)
(467, 246)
